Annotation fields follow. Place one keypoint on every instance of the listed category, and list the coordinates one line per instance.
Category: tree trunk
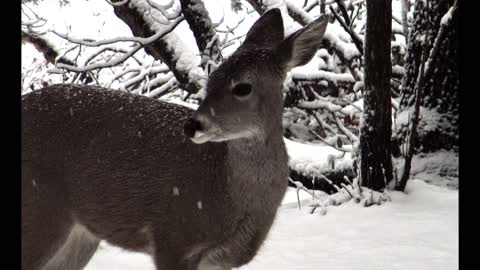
(376, 127)
(440, 92)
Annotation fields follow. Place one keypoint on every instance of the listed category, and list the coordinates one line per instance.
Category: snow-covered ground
(417, 230)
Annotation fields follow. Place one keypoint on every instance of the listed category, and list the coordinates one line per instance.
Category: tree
(440, 101)
(429, 61)
(375, 130)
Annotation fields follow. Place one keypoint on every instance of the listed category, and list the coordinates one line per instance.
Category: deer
(193, 189)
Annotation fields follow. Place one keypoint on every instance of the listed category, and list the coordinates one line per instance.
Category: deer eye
(242, 90)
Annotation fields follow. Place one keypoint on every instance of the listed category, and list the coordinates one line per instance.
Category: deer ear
(267, 30)
(300, 47)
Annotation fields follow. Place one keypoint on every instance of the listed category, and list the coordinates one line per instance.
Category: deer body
(99, 165)
(182, 188)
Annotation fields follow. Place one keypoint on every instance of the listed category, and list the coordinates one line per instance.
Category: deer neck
(258, 166)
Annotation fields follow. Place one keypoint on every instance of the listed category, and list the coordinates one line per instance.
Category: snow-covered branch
(170, 49)
(356, 39)
(203, 30)
(163, 9)
(320, 75)
(46, 48)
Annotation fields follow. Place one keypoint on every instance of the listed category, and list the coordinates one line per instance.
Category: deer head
(244, 97)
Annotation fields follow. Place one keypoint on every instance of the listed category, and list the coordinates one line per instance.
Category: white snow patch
(430, 120)
(447, 17)
(417, 230)
(313, 159)
(438, 168)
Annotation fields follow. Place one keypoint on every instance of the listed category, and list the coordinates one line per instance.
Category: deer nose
(191, 126)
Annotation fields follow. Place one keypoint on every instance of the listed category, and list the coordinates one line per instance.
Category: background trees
(166, 49)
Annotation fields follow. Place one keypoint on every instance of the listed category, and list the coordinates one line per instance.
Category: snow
(353, 109)
(183, 103)
(314, 159)
(302, 74)
(290, 26)
(416, 230)
(439, 168)
(447, 17)
(340, 40)
(299, 11)
(430, 120)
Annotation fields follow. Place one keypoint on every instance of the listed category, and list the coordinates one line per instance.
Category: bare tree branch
(116, 61)
(140, 40)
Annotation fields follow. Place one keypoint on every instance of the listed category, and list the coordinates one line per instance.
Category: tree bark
(376, 128)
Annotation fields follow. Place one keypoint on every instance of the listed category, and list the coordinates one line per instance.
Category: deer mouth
(202, 137)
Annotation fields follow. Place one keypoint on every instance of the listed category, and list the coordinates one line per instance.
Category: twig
(302, 188)
(123, 58)
(111, 63)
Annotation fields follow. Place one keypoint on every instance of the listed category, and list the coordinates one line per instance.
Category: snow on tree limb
(261, 6)
(148, 72)
(163, 89)
(46, 48)
(203, 30)
(163, 9)
(170, 49)
(297, 13)
(320, 104)
(356, 39)
(320, 75)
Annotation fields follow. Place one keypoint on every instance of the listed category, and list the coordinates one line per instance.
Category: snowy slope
(417, 230)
